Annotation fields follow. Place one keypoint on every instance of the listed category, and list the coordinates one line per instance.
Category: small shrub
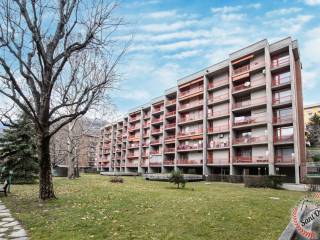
(177, 178)
(116, 179)
(271, 181)
(316, 158)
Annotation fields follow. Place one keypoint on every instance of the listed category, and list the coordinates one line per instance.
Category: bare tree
(56, 55)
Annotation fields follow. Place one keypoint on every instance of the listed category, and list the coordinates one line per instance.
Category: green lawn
(93, 208)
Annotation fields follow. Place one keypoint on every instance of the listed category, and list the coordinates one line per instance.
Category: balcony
(146, 116)
(145, 135)
(283, 119)
(155, 164)
(218, 145)
(277, 62)
(132, 164)
(157, 110)
(156, 152)
(250, 120)
(145, 144)
(146, 125)
(218, 83)
(192, 134)
(218, 113)
(249, 103)
(197, 162)
(156, 131)
(218, 99)
(134, 119)
(241, 70)
(192, 118)
(250, 159)
(169, 150)
(155, 142)
(132, 129)
(282, 100)
(134, 139)
(192, 91)
(171, 102)
(284, 159)
(144, 163)
(170, 125)
(170, 138)
(218, 161)
(168, 162)
(284, 138)
(157, 120)
(249, 85)
(170, 114)
(188, 148)
(130, 155)
(133, 145)
(190, 105)
(280, 81)
(219, 129)
(250, 140)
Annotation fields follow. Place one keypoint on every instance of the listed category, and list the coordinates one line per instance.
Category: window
(281, 78)
(282, 96)
(283, 112)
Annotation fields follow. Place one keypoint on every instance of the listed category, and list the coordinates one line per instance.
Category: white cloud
(184, 54)
(162, 14)
(166, 27)
(136, 94)
(311, 46)
(232, 9)
(312, 2)
(283, 11)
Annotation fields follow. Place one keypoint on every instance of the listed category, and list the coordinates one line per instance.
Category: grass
(93, 208)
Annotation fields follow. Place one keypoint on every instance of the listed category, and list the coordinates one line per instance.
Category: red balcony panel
(157, 130)
(250, 140)
(145, 125)
(155, 142)
(146, 115)
(281, 100)
(170, 125)
(222, 97)
(251, 120)
(190, 105)
(189, 162)
(144, 163)
(171, 102)
(219, 144)
(283, 138)
(155, 164)
(218, 83)
(276, 81)
(279, 61)
(156, 152)
(284, 159)
(248, 85)
(156, 120)
(170, 138)
(190, 91)
(189, 134)
(249, 103)
(250, 159)
(218, 161)
(283, 119)
(219, 113)
(217, 129)
(157, 109)
(189, 147)
(130, 155)
(168, 162)
(190, 118)
(132, 164)
(241, 70)
(133, 145)
(172, 113)
(169, 149)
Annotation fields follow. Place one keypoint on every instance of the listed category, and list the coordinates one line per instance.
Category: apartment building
(243, 115)
(310, 110)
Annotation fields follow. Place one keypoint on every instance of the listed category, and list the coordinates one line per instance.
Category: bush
(316, 158)
(177, 178)
(116, 179)
(272, 181)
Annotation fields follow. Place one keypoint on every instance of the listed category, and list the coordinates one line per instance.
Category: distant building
(87, 151)
(310, 110)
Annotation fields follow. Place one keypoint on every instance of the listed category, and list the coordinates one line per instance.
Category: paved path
(10, 228)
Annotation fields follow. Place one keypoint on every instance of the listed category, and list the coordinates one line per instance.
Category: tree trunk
(45, 185)
(71, 170)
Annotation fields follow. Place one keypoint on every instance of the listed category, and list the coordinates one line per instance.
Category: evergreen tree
(313, 130)
(18, 151)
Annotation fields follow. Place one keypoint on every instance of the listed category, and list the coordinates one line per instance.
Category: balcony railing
(156, 120)
(156, 152)
(218, 113)
(132, 164)
(242, 69)
(168, 162)
(132, 119)
(155, 131)
(218, 83)
(283, 119)
(218, 161)
(133, 145)
(144, 163)
(250, 140)
(157, 109)
(281, 100)
(284, 159)
(218, 144)
(191, 105)
(171, 102)
(169, 149)
(146, 125)
(283, 138)
(219, 98)
(131, 129)
(280, 61)
(170, 125)
(217, 129)
(249, 103)
(277, 81)
(155, 164)
(189, 162)
(169, 138)
(130, 155)
(191, 91)
(247, 120)
(190, 134)
(186, 147)
(145, 144)
(132, 139)
(172, 113)
(250, 159)
(155, 142)
(190, 118)
(248, 85)
(146, 115)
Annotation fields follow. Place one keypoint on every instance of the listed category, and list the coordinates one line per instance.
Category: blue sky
(174, 38)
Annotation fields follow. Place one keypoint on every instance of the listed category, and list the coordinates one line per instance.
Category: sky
(170, 39)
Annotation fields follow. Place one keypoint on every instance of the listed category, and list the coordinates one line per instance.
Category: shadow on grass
(179, 189)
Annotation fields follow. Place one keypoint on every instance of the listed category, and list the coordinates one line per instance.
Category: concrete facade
(240, 116)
